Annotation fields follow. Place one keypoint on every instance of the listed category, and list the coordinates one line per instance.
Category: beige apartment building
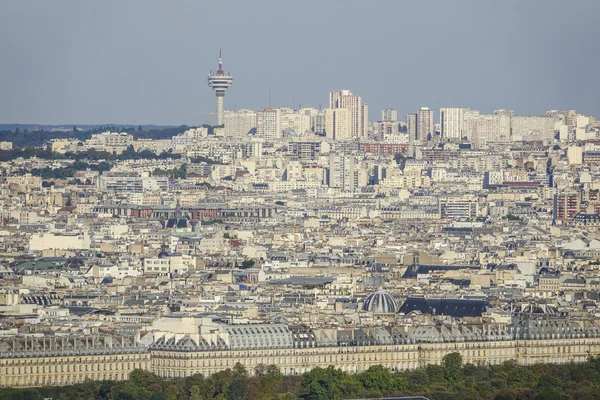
(52, 361)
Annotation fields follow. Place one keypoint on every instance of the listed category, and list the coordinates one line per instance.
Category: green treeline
(91, 159)
(88, 155)
(96, 161)
(450, 381)
(67, 172)
(175, 173)
(27, 138)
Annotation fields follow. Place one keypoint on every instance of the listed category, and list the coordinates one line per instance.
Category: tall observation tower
(220, 82)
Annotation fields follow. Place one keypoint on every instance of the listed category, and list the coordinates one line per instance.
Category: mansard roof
(456, 308)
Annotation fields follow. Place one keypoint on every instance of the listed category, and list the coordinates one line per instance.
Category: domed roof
(380, 302)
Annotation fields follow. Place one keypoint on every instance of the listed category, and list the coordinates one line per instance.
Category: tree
(264, 384)
(377, 378)
(452, 366)
(504, 396)
(326, 384)
(240, 370)
(29, 394)
(549, 394)
(237, 389)
(248, 264)
(143, 378)
(400, 160)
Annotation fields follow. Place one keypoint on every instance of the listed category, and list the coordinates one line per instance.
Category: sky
(146, 62)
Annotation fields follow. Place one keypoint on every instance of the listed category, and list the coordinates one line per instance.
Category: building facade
(53, 361)
(389, 115)
(452, 123)
(358, 112)
(425, 129)
(295, 349)
(268, 124)
(337, 123)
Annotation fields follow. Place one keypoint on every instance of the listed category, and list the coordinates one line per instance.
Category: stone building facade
(42, 361)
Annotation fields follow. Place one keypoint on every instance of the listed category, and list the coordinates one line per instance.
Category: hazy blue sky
(145, 61)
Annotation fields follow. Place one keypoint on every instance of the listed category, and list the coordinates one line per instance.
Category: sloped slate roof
(456, 308)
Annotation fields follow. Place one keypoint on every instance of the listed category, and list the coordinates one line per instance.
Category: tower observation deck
(220, 81)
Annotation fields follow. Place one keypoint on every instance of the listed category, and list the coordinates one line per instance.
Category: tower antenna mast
(220, 81)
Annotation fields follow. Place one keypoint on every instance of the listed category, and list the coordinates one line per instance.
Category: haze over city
(137, 62)
(311, 200)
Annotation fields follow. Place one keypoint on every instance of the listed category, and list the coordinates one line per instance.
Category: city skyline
(295, 247)
(155, 76)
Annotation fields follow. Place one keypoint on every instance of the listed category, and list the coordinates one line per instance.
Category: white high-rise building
(425, 124)
(533, 127)
(503, 123)
(389, 115)
(359, 114)
(480, 129)
(470, 118)
(268, 124)
(484, 130)
(452, 123)
(239, 123)
(341, 172)
(337, 123)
